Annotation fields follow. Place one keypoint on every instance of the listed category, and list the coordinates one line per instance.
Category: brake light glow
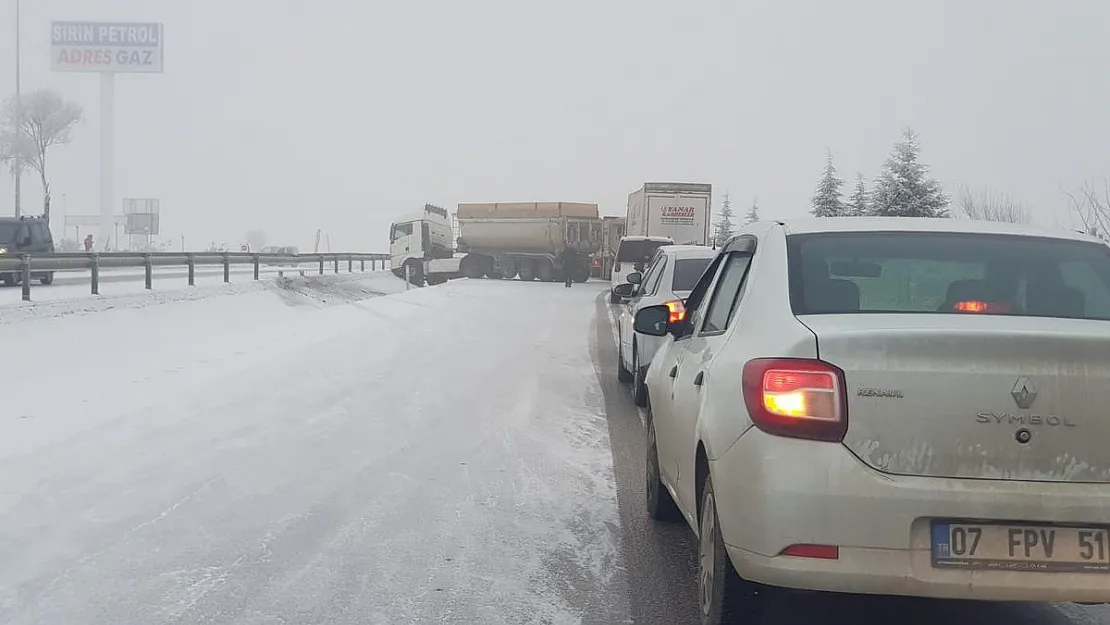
(976, 306)
(677, 311)
(819, 552)
(797, 398)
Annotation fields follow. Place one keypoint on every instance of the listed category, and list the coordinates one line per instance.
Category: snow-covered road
(455, 454)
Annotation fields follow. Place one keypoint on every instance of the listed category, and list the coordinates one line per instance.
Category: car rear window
(955, 273)
(637, 251)
(687, 272)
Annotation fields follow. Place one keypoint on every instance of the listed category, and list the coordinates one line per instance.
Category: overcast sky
(292, 115)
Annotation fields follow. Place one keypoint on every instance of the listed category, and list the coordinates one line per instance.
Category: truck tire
(47, 278)
(508, 268)
(581, 274)
(545, 271)
(416, 273)
(527, 270)
(471, 267)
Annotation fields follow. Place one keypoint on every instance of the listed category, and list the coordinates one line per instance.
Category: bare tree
(1091, 206)
(987, 205)
(47, 120)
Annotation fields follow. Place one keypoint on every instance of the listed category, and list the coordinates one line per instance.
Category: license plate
(1019, 547)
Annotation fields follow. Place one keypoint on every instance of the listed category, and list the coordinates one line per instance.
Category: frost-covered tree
(46, 120)
(904, 188)
(753, 213)
(723, 228)
(826, 201)
(858, 203)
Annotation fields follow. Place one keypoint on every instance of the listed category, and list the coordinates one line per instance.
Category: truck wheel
(416, 273)
(508, 268)
(527, 270)
(471, 267)
(581, 274)
(545, 271)
(9, 279)
(47, 278)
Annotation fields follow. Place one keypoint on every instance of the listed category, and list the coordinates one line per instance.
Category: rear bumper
(775, 492)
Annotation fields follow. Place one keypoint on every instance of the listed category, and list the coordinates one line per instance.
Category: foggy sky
(347, 114)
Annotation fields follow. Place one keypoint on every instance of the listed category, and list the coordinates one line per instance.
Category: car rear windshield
(687, 272)
(637, 251)
(960, 273)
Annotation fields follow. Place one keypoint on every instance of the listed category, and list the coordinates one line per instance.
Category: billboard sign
(142, 215)
(116, 47)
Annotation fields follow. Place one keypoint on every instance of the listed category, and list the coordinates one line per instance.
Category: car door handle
(674, 371)
(698, 378)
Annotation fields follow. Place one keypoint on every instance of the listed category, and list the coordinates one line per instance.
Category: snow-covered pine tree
(904, 188)
(722, 230)
(753, 212)
(826, 201)
(858, 204)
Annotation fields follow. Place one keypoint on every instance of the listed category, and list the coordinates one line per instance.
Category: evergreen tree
(723, 229)
(753, 212)
(858, 204)
(826, 201)
(904, 188)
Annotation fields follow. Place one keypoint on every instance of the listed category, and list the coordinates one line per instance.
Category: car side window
(694, 303)
(727, 293)
(646, 276)
(652, 286)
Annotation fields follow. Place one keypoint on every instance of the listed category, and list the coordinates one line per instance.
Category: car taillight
(677, 311)
(975, 306)
(795, 397)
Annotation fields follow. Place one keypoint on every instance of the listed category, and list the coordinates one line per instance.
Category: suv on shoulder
(25, 235)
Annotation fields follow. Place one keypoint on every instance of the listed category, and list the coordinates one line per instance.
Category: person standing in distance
(570, 261)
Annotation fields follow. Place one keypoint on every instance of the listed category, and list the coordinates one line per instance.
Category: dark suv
(25, 235)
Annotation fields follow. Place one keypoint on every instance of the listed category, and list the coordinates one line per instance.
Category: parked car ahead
(668, 280)
(889, 406)
(633, 255)
(25, 235)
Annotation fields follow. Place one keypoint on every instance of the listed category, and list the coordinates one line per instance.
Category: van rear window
(954, 273)
(637, 251)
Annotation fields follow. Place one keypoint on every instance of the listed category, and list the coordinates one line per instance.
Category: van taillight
(795, 397)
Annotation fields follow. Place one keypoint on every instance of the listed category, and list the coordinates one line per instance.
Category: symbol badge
(1024, 393)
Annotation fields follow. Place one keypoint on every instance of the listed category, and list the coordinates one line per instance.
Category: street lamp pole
(18, 118)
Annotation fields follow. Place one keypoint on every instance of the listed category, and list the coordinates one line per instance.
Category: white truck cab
(423, 245)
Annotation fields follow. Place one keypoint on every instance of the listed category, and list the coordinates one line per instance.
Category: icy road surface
(456, 454)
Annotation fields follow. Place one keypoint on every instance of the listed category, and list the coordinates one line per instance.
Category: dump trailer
(504, 240)
(678, 210)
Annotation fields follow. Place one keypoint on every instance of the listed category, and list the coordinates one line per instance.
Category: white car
(667, 281)
(889, 406)
(633, 255)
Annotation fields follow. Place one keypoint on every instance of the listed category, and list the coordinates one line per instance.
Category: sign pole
(107, 155)
(18, 118)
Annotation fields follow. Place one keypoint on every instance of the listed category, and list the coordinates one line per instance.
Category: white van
(633, 255)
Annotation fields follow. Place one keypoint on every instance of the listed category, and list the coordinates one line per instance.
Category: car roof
(643, 238)
(687, 251)
(922, 224)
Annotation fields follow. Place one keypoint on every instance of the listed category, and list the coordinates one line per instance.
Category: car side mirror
(652, 321)
(635, 278)
(624, 290)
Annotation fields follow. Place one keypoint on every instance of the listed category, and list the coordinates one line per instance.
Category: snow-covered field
(264, 453)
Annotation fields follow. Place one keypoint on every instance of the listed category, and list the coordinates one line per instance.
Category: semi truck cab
(418, 242)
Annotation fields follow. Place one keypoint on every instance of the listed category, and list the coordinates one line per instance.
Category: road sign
(141, 223)
(106, 47)
(146, 205)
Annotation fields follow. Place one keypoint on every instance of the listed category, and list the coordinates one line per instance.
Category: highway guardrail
(23, 266)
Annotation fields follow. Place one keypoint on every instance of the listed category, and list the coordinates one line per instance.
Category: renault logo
(1024, 393)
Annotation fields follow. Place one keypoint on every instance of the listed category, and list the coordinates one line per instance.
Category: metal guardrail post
(191, 261)
(256, 266)
(335, 263)
(321, 265)
(94, 269)
(148, 266)
(408, 276)
(227, 267)
(25, 270)
(350, 264)
(362, 264)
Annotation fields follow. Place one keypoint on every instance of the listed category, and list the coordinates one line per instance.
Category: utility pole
(18, 118)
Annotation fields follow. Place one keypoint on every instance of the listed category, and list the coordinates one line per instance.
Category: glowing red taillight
(795, 397)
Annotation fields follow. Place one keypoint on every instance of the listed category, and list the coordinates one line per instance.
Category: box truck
(679, 211)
